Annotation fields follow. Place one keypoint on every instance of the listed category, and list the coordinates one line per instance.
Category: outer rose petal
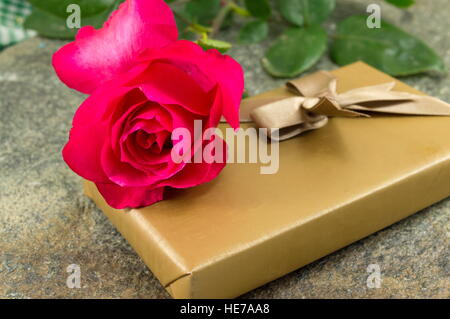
(82, 152)
(205, 67)
(123, 197)
(169, 84)
(231, 77)
(90, 132)
(96, 56)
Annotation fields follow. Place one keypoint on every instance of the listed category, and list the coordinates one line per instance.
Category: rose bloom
(143, 84)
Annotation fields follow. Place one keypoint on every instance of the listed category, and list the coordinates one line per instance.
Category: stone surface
(46, 223)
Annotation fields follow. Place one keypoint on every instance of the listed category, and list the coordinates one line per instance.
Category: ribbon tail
(384, 87)
(285, 133)
(420, 105)
(381, 98)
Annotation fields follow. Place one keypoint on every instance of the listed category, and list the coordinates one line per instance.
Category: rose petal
(82, 152)
(122, 173)
(169, 84)
(216, 110)
(124, 197)
(90, 131)
(126, 175)
(97, 56)
(194, 174)
(231, 78)
(204, 67)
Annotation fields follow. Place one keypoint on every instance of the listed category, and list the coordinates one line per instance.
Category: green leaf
(202, 11)
(401, 3)
(259, 8)
(207, 44)
(239, 10)
(306, 12)
(388, 48)
(184, 30)
(295, 51)
(59, 7)
(253, 32)
(50, 25)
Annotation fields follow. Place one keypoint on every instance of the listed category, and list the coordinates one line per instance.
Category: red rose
(143, 84)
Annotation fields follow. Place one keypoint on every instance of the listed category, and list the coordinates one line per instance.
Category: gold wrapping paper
(334, 186)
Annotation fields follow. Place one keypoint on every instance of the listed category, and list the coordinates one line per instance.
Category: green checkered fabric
(12, 16)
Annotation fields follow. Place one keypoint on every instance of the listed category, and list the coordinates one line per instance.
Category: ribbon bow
(315, 99)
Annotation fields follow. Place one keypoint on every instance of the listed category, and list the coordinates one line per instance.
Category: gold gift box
(334, 186)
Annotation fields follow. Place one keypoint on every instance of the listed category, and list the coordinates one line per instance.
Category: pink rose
(143, 84)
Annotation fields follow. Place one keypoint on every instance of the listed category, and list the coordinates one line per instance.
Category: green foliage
(184, 27)
(207, 44)
(259, 8)
(202, 11)
(387, 48)
(253, 32)
(59, 7)
(49, 17)
(401, 3)
(296, 49)
(306, 12)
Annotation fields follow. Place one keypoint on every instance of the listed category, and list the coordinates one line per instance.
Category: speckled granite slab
(47, 224)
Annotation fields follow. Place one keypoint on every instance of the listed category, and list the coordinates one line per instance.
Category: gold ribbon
(315, 99)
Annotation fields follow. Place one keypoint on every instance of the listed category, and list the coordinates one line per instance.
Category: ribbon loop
(313, 85)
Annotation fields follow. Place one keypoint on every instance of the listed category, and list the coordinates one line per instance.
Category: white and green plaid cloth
(12, 16)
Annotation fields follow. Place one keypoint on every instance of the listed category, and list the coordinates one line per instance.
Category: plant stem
(218, 21)
(181, 17)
